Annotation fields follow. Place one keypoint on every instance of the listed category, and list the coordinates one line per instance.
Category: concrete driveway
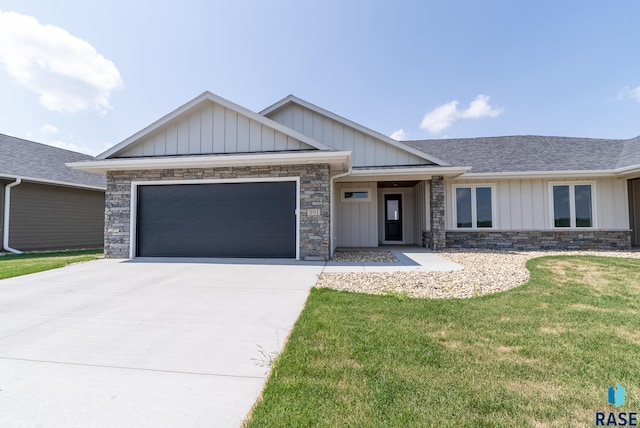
(145, 343)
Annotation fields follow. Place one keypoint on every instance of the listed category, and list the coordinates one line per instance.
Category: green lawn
(542, 354)
(23, 264)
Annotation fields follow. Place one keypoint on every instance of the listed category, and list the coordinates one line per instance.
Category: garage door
(217, 220)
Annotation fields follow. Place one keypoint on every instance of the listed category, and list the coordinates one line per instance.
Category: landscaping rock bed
(484, 272)
(364, 257)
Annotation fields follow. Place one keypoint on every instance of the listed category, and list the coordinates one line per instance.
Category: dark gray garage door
(217, 220)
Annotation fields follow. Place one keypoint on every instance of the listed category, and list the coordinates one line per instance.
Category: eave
(338, 160)
(400, 174)
(51, 182)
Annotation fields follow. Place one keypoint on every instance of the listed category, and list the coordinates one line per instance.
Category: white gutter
(52, 182)
(332, 208)
(208, 161)
(7, 210)
(411, 173)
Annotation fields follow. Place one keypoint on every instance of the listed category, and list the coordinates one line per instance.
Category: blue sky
(86, 75)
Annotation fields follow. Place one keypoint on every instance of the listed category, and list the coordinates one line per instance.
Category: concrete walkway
(145, 343)
(410, 259)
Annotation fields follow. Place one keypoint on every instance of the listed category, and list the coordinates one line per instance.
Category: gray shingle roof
(24, 158)
(533, 153)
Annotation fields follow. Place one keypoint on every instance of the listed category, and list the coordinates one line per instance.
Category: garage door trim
(134, 201)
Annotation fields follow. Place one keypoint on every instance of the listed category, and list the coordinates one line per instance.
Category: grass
(22, 264)
(542, 354)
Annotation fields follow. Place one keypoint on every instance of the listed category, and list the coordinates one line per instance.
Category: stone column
(436, 201)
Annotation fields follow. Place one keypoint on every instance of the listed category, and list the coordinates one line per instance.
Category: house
(45, 205)
(214, 179)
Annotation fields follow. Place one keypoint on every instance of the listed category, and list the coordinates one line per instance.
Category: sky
(85, 75)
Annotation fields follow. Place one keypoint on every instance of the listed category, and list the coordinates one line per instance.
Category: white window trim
(133, 207)
(365, 189)
(474, 210)
(572, 205)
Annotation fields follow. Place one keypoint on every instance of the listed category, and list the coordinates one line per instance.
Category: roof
(525, 153)
(42, 163)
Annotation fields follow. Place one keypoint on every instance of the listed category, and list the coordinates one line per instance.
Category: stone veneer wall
(314, 194)
(436, 201)
(541, 239)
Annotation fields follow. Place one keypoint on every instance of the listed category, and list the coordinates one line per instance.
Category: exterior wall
(437, 213)
(421, 211)
(356, 221)
(45, 217)
(408, 225)
(541, 240)
(314, 194)
(367, 151)
(213, 129)
(523, 204)
(634, 210)
(2, 184)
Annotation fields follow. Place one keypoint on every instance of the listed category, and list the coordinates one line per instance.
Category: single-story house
(44, 204)
(214, 179)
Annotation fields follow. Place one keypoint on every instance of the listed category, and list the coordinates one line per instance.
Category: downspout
(333, 207)
(7, 209)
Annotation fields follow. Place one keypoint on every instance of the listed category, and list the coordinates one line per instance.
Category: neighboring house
(45, 205)
(213, 179)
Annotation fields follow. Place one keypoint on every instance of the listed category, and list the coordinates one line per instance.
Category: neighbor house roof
(526, 153)
(42, 163)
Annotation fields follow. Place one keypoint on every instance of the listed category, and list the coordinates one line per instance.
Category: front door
(393, 217)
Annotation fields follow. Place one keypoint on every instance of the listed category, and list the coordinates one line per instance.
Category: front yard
(22, 264)
(542, 354)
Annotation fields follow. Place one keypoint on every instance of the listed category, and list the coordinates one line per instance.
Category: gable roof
(38, 162)
(531, 153)
(196, 103)
(291, 99)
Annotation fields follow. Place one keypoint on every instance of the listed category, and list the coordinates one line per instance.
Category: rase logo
(616, 397)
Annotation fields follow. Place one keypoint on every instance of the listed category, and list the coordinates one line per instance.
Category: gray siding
(523, 204)
(45, 217)
(212, 129)
(367, 151)
(356, 221)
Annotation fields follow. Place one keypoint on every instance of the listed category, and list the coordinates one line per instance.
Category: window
(572, 205)
(474, 207)
(355, 195)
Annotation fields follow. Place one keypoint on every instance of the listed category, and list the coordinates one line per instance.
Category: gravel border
(484, 272)
(364, 257)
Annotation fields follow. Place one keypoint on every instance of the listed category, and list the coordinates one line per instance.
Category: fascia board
(218, 100)
(124, 164)
(51, 182)
(539, 174)
(352, 124)
(404, 173)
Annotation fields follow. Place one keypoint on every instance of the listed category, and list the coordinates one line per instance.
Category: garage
(229, 219)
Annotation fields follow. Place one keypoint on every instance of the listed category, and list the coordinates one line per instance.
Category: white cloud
(628, 92)
(66, 72)
(440, 118)
(480, 108)
(49, 129)
(399, 135)
(443, 116)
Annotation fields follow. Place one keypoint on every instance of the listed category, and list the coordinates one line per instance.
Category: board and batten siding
(45, 217)
(422, 210)
(523, 204)
(366, 150)
(213, 129)
(356, 221)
